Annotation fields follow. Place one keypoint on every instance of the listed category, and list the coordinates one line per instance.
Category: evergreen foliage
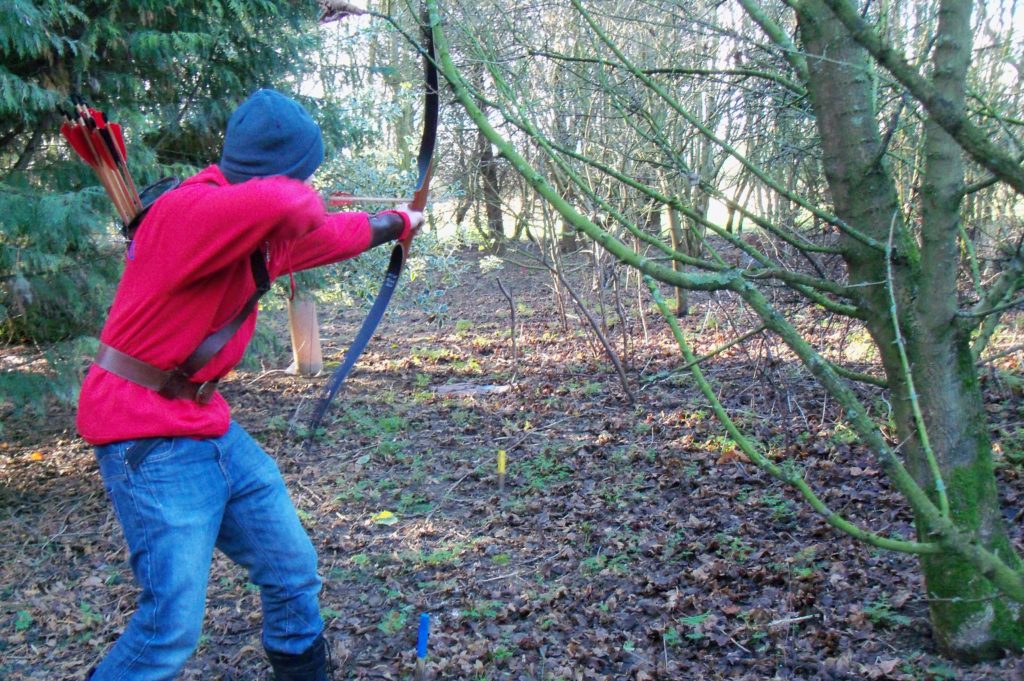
(171, 72)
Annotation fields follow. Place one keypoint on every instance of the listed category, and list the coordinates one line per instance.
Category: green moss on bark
(971, 620)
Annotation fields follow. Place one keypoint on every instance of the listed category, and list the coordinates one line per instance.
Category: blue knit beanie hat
(270, 134)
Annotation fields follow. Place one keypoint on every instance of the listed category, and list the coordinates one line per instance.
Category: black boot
(311, 665)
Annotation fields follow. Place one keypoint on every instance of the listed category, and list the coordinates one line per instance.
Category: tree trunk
(567, 238)
(952, 405)
(681, 245)
(492, 192)
(970, 619)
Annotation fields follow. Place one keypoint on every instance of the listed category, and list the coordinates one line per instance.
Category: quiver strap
(176, 383)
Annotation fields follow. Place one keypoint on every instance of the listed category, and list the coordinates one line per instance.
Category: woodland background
(754, 356)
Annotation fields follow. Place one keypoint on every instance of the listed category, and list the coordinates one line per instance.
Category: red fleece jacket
(187, 276)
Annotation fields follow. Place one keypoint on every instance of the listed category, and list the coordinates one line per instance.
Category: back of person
(187, 273)
(183, 478)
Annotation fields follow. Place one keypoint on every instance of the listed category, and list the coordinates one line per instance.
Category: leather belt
(175, 383)
(170, 384)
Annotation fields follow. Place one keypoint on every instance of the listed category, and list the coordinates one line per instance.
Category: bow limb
(400, 253)
(425, 159)
(331, 10)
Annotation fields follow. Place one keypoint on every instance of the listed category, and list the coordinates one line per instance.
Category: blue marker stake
(421, 647)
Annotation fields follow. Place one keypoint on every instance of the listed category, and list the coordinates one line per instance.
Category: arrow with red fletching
(100, 144)
(111, 154)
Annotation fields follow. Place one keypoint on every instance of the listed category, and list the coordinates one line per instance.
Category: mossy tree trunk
(970, 618)
(679, 243)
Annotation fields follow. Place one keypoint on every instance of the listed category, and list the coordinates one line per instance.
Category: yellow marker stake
(502, 457)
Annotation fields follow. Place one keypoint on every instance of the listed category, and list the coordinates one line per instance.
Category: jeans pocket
(150, 449)
(111, 461)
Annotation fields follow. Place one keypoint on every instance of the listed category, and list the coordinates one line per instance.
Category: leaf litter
(629, 542)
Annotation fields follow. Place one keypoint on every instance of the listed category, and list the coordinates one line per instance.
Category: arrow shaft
(103, 172)
(109, 165)
(344, 200)
(127, 184)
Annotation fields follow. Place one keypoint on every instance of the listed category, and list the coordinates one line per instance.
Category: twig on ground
(495, 579)
(791, 620)
(609, 350)
(270, 372)
(512, 329)
(448, 493)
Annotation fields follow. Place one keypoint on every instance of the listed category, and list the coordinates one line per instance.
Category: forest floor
(630, 541)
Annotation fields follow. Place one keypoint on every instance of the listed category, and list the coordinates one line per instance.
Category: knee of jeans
(301, 577)
(176, 626)
(166, 644)
(297, 587)
(183, 638)
(312, 582)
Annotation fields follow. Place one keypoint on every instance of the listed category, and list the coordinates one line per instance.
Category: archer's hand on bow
(395, 225)
(416, 218)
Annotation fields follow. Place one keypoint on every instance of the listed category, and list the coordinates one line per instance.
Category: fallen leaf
(732, 456)
(385, 518)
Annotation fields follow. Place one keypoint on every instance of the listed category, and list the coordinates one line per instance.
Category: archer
(182, 476)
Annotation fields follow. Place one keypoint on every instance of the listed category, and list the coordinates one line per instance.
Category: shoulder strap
(147, 198)
(213, 343)
(175, 383)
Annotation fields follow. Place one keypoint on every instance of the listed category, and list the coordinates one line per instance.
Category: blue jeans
(186, 497)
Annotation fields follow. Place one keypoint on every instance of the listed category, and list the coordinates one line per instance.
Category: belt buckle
(173, 385)
(205, 391)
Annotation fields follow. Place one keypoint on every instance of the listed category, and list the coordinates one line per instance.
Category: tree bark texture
(679, 243)
(489, 183)
(970, 618)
